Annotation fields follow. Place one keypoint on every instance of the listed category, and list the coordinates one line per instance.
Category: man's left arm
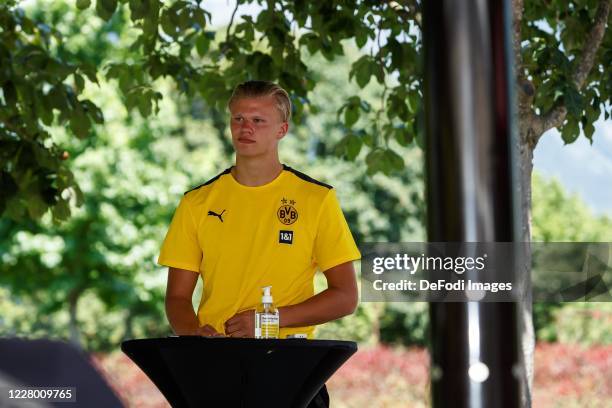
(338, 300)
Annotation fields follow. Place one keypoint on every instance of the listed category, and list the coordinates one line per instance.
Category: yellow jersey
(240, 239)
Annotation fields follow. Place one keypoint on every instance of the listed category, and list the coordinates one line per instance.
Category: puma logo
(220, 216)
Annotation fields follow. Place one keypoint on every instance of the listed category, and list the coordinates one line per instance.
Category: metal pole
(470, 192)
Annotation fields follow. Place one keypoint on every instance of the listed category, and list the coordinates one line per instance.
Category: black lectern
(194, 371)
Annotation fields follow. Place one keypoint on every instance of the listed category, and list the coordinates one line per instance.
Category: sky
(581, 168)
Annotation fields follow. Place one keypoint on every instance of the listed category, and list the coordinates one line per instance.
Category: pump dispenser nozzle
(267, 296)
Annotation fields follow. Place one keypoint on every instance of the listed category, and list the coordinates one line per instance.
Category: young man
(258, 223)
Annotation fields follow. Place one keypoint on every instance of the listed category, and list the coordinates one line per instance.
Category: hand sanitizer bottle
(266, 317)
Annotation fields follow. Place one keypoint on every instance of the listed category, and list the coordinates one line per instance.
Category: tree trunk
(526, 312)
(531, 128)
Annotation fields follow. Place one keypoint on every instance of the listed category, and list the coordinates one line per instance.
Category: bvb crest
(287, 214)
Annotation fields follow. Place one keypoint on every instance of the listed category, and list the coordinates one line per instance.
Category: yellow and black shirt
(241, 238)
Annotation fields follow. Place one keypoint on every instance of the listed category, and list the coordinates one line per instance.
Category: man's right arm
(179, 308)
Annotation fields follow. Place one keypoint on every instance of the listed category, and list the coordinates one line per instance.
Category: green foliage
(554, 37)
(38, 88)
(558, 216)
(579, 323)
(173, 39)
(584, 323)
(133, 175)
(101, 260)
(405, 323)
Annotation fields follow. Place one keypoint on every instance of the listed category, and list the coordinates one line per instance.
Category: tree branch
(583, 65)
(591, 45)
(229, 26)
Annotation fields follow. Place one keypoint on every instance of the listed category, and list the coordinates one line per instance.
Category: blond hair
(258, 89)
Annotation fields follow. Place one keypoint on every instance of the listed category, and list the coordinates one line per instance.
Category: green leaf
(43, 111)
(57, 98)
(361, 37)
(202, 44)
(368, 139)
(379, 71)
(372, 157)
(14, 209)
(83, 4)
(125, 79)
(414, 101)
(35, 205)
(265, 69)
(93, 111)
(168, 24)
(156, 67)
(199, 16)
(340, 148)
(588, 129)
(138, 9)
(396, 162)
(184, 19)
(570, 131)
(375, 161)
(403, 135)
(351, 115)
(80, 198)
(593, 113)
(79, 123)
(397, 107)
(151, 24)
(106, 8)
(311, 41)
(248, 31)
(353, 146)
(79, 82)
(90, 71)
(58, 68)
(397, 55)
(113, 70)
(573, 101)
(363, 73)
(61, 210)
(144, 105)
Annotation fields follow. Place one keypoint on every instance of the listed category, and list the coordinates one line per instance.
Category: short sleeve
(334, 243)
(180, 248)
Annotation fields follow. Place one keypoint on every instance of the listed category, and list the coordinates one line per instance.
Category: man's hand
(241, 324)
(208, 331)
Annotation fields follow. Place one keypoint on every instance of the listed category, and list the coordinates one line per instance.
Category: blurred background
(92, 279)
